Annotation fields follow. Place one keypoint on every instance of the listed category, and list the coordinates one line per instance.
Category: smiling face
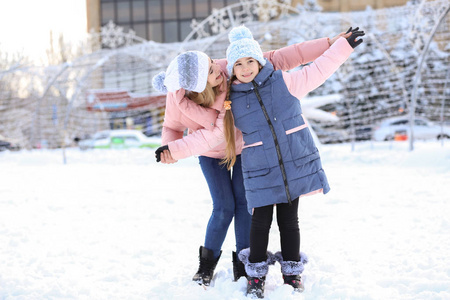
(215, 76)
(246, 69)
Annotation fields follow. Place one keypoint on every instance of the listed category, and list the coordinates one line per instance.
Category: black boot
(238, 267)
(207, 266)
(255, 286)
(256, 272)
(295, 281)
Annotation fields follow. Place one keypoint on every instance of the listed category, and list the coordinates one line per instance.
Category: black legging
(287, 218)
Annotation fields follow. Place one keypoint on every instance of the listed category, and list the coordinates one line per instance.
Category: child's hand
(342, 34)
(352, 38)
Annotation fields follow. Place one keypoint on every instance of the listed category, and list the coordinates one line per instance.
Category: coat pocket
(301, 143)
(254, 160)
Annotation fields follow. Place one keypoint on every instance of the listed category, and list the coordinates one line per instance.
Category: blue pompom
(158, 82)
(239, 33)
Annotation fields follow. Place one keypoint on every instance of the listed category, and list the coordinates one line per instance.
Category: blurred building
(169, 21)
(353, 5)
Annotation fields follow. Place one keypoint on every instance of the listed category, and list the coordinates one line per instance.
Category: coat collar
(262, 76)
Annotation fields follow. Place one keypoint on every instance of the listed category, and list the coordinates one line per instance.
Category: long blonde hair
(205, 98)
(228, 128)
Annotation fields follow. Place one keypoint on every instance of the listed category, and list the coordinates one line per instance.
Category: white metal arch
(422, 57)
(221, 20)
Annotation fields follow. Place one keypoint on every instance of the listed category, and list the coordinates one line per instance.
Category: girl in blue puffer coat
(280, 162)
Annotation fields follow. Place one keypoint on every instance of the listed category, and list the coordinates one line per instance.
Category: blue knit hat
(242, 45)
(188, 70)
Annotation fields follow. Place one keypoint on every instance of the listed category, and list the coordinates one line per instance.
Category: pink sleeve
(199, 141)
(222, 62)
(172, 128)
(290, 57)
(315, 74)
(168, 134)
(206, 117)
(179, 107)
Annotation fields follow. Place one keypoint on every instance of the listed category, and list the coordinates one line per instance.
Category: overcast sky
(25, 25)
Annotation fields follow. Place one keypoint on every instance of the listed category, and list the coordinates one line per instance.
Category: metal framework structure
(400, 69)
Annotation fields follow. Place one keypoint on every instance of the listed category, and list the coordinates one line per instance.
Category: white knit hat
(188, 70)
(242, 45)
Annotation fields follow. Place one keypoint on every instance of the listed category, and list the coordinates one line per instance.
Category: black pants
(287, 218)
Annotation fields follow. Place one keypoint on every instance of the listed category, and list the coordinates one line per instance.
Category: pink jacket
(205, 125)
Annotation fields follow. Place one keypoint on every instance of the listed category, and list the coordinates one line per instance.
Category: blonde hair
(205, 98)
(228, 128)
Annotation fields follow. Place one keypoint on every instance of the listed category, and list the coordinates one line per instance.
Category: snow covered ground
(114, 224)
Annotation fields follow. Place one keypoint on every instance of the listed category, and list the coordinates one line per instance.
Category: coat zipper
(277, 145)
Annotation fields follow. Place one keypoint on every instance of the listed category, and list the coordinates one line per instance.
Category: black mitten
(352, 38)
(159, 151)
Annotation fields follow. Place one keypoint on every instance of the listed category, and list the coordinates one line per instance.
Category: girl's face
(246, 69)
(215, 76)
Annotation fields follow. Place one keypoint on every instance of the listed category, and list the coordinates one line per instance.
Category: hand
(345, 35)
(352, 38)
(159, 151)
(342, 34)
(166, 157)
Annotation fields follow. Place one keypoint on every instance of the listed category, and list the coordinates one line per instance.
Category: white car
(329, 135)
(119, 139)
(423, 129)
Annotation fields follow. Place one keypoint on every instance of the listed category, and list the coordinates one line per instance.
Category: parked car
(119, 139)
(6, 144)
(423, 129)
(329, 135)
(363, 132)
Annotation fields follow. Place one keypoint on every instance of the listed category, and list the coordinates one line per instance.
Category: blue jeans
(228, 196)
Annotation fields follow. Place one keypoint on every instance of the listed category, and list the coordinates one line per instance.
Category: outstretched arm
(315, 74)
(290, 57)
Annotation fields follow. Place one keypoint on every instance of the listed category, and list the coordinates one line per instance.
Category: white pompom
(239, 33)
(158, 82)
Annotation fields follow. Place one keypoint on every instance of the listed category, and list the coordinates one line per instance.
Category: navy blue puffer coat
(280, 161)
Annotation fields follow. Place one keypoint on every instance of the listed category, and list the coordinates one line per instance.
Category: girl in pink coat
(196, 87)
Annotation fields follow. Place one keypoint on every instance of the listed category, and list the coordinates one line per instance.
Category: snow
(114, 224)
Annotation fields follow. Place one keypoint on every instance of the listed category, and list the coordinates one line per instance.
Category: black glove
(352, 38)
(159, 151)
(352, 30)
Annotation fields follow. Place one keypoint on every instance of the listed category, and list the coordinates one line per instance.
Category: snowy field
(114, 224)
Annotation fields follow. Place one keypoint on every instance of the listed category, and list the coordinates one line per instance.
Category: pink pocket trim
(253, 145)
(298, 128)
